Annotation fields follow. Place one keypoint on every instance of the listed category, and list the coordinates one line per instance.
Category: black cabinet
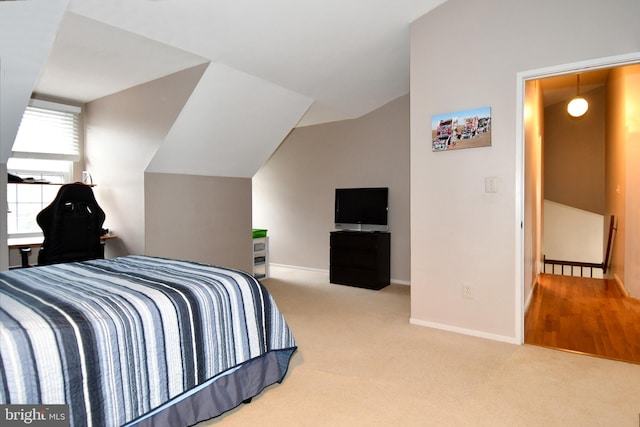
(360, 259)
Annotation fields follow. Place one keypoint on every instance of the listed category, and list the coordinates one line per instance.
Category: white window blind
(48, 130)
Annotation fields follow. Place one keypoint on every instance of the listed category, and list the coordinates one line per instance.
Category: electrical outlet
(467, 291)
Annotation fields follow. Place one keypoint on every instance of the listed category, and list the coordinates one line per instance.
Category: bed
(138, 341)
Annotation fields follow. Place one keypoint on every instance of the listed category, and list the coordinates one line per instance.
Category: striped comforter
(116, 338)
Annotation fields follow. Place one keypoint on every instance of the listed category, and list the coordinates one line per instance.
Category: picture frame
(461, 129)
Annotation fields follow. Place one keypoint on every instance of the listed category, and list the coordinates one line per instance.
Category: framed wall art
(462, 129)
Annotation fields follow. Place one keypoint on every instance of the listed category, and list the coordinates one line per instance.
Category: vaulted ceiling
(349, 57)
(272, 66)
(294, 62)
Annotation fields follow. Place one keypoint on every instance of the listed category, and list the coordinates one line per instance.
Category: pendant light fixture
(578, 105)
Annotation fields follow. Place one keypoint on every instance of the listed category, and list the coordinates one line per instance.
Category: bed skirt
(220, 394)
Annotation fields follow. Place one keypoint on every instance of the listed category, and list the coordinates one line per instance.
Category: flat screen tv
(362, 209)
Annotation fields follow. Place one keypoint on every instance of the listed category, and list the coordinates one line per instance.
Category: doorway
(529, 167)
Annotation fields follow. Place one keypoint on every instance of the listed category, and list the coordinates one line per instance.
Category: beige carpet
(360, 363)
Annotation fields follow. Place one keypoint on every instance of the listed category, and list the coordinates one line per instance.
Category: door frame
(521, 195)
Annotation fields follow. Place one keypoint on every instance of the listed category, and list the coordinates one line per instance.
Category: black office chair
(72, 226)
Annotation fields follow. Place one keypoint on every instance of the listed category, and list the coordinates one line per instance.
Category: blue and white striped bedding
(116, 338)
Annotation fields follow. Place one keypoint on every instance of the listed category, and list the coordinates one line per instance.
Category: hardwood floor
(584, 315)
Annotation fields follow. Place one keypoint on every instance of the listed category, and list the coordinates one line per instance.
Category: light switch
(491, 184)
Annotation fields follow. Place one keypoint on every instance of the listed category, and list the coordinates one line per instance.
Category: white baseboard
(297, 267)
(319, 270)
(464, 331)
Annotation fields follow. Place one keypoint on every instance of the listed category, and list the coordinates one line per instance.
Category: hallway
(584, 315)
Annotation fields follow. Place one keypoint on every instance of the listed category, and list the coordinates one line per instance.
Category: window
(48, 131)
(25, 201)
(45, 148)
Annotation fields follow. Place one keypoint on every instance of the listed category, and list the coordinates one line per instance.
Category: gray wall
(199, 218)
(293, 194)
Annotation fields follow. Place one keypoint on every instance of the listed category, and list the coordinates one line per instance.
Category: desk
(32, 242)
(35, 242)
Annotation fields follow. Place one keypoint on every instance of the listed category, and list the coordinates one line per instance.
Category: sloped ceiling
(229, 126)
(290, 62)
(24, 27)
(91, 59)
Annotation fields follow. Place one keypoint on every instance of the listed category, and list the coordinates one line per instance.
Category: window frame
(56, 175)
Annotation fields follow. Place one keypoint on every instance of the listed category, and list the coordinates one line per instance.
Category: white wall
(467, 54)
(572, 234)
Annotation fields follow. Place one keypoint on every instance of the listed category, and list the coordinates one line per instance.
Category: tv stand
(360, 259)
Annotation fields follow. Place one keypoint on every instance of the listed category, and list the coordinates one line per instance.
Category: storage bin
(259, 232)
